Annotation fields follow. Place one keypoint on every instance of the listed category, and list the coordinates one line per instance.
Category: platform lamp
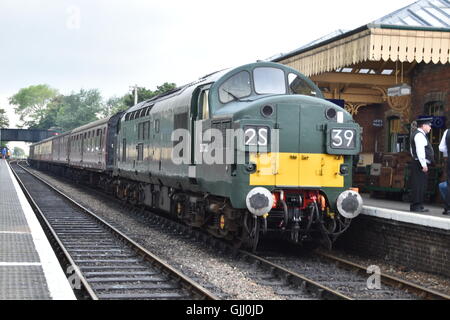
(402, 89)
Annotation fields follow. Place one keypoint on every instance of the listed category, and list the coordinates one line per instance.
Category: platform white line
(15, 232)
(19, 264)
(57, 283)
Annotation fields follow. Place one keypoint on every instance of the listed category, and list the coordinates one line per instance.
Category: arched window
(435, 109)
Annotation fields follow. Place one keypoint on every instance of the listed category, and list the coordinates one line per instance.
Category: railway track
(103, 263)
(299, 277)
(385, 279)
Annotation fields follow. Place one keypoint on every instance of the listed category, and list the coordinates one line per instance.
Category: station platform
(29, 269)
(399, 211)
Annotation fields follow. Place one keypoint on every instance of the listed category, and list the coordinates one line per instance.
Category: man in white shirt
(423, 157)
(443, 186)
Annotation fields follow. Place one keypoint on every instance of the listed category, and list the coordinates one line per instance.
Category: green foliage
(41, 107)
(145, 94)
(114, 105)
(4, 121)
(78, 109)
(18, 152)
(48, 119)
(31, 103)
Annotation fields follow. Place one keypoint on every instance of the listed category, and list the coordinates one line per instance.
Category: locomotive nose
(259, 201)
(349, 204)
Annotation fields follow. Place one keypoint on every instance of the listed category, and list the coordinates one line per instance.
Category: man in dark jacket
(444, 147)
(423, 156)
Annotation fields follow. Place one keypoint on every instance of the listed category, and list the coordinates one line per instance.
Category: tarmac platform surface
(398, 210)
(29, 269)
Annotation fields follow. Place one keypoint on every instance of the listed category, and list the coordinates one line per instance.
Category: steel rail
(322, 291)
(155, 261)
(420, 291)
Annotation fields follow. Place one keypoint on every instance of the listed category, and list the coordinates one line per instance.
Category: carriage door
(200, 122)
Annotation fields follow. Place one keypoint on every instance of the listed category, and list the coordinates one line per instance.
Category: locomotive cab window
(298, 85)
(269, 81)
(236, 87)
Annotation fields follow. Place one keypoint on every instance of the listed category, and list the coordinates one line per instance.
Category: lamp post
(134, 89)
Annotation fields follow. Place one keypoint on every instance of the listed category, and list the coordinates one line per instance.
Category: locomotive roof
(212, 77)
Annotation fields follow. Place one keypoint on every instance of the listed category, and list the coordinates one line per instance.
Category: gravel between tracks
(221, 275)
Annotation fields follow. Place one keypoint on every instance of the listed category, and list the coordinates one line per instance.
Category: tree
(78, 109)
(49, 114)
(166, 86)
(18, 152)
(114, 105)
(4, 121)
(145, 94)
(31, 102)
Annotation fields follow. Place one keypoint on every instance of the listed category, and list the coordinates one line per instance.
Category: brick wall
(414, 246)
(365, 118)
(430, 83)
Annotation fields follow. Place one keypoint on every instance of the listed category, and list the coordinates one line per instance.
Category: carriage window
(269, 80)
(298, 85)
(238, 86)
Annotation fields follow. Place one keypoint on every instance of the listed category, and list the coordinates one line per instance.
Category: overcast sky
(112, 44)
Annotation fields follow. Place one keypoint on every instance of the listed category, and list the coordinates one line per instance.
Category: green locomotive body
(243, 152)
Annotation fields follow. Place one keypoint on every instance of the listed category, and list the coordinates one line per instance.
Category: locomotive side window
(238, 86)
(204, 106)
(269, 81)
(299, 86)
(140, 152)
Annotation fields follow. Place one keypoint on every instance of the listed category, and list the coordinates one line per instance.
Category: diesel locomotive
(242, 153)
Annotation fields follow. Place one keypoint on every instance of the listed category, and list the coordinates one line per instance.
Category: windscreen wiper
(234, 97)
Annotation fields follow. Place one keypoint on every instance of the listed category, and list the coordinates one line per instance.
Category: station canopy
(417, 33)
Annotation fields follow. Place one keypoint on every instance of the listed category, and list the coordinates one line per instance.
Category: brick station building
(410, 49)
